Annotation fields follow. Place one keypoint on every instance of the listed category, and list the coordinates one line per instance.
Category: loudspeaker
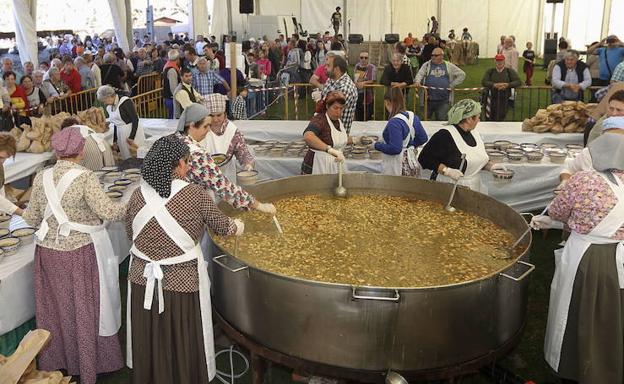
(355, 38)
(246, 6)
(392, 38)
(550, 46)
(246, 45)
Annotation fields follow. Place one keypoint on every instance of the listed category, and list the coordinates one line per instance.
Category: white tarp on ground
(25, 16)
(487, 20)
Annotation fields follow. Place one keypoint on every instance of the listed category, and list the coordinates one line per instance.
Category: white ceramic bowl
(114, 195)
(125, 182)
(25, 235)
(557, 157)
(9, 245)
(247, 177)
(119, 188)
(535, 157)
(496, 156)
(503, 176)
(515, 157)
(4, 232)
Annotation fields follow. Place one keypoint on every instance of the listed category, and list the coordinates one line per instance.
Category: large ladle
(448, 205)
(340, 191)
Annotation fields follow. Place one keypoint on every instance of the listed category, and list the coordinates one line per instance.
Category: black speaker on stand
(355, 38)
(246, 6)
(391, 38)
(550, 48)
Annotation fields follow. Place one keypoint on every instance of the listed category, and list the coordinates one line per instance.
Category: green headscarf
(463, 109)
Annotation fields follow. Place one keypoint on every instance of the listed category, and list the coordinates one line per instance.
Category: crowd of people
(166, 216)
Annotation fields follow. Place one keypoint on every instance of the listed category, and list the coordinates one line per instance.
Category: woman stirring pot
(225, 138)
(326, 136)
(442, 154)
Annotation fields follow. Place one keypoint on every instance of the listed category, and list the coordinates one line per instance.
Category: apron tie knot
(153, 273)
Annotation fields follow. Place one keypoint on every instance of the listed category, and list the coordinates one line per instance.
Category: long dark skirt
(167, 348)
(593, 343)
(67, 301)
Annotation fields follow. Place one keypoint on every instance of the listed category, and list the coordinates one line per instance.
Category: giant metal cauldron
(376, 329)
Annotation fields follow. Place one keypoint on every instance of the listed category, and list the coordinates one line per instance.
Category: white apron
(87, 132)
(155, 207)
(221, 144)
(566, 265)
(476, 159)
(325, 163)
(393, 164)
(123, 129)
(108, 267)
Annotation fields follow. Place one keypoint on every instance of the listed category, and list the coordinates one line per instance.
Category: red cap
(499, 57)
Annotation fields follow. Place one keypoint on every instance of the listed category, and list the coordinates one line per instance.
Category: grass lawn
(528, 101)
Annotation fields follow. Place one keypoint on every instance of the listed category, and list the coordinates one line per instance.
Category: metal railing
(75, 102)
(524, 103)
(150, 104)
(148, 83)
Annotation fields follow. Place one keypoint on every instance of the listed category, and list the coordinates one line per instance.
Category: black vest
(191, 94)
(580, 68)
(166, 88)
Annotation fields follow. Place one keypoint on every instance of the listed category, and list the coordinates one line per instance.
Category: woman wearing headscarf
(167, 218)
(225, 138)
(7, 150)
(326, 136)
(193, 126)
(401, 136)
(585, 328)
(76, 278)
(443, 153)
(123, 120)
(97, 151)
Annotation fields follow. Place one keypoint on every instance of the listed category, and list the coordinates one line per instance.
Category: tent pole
(540, 26)
(606, 18)
(344, 20)
(439, 16)
(229, 11)
(566, 17)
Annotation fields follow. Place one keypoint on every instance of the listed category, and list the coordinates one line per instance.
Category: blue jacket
(396, 131)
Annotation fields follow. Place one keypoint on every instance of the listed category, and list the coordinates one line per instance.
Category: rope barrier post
(425, 103)
(233, 71)
(286, 102)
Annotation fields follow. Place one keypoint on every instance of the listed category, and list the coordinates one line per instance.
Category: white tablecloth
(291, 130)
(24, 164)
(17, 297)
(531, 187)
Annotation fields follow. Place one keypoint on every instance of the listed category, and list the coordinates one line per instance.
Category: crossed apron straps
(54, 194)
(155, 207)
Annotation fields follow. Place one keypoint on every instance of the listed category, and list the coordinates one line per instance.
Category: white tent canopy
(25, 15)
(581, 21)
(487, 20)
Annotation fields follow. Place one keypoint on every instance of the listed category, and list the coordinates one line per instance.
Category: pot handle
(530, 269)
(395, 298)
(217, 260)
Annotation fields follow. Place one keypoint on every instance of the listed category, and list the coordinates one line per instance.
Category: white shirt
(199, 46)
